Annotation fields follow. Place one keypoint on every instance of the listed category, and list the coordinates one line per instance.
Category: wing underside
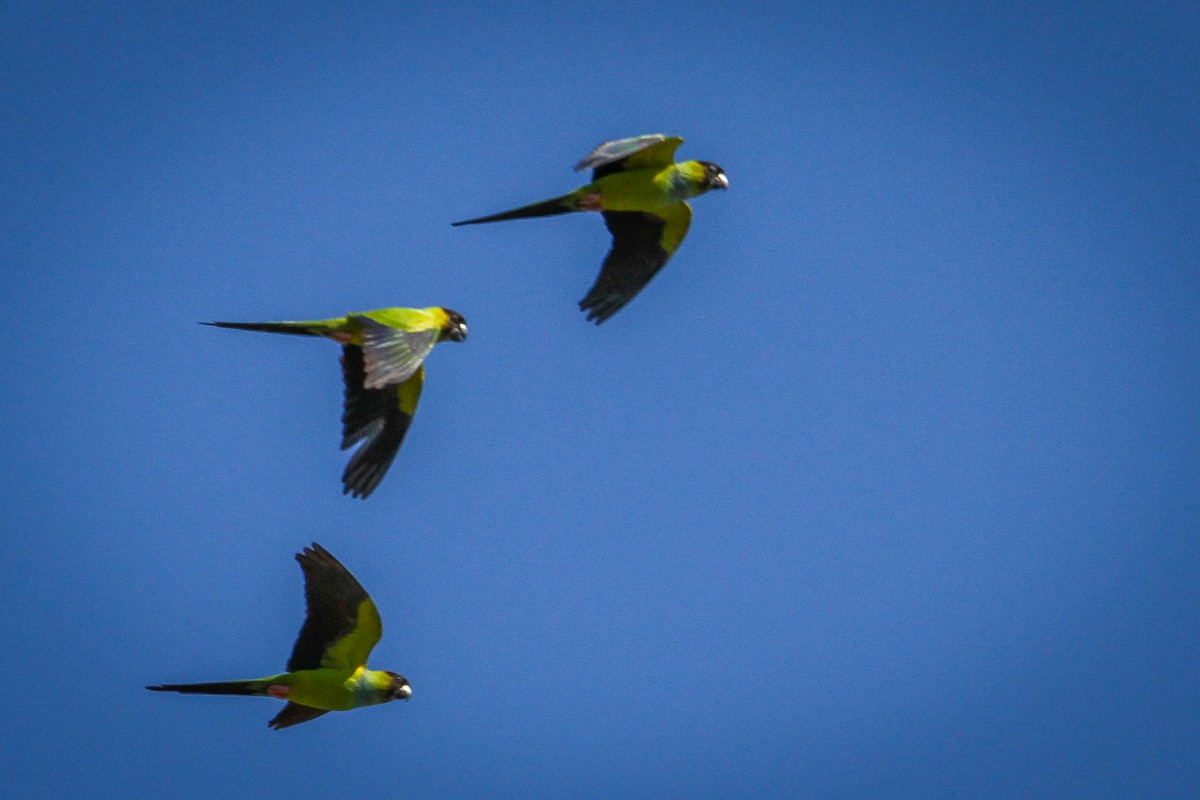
(392, 355)
(377, 417)
(642, 244)
(636, 152)
(294, 714)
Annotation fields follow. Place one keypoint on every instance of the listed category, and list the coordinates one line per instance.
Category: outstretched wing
(636, 152)
(379, 416)
(342, 624)
(392, 355)
(642, 244)
(294, 714)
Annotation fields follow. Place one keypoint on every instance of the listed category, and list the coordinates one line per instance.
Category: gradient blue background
(888, 486)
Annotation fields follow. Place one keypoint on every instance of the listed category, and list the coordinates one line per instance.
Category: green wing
(391, 355)
(379, 416)
(642, 244)
(636, 152)
(342, 625)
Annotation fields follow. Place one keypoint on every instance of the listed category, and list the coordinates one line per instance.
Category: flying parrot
(641, 192)
(328, 668)
(383, 354)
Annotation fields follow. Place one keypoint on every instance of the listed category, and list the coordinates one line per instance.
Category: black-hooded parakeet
(328, 668)
(383, 354)
(642, 193)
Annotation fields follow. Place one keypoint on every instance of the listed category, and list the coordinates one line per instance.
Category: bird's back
(642, 189)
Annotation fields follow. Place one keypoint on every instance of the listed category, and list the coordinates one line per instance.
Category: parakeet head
(714, 176)
(455, 328)
(399, 690)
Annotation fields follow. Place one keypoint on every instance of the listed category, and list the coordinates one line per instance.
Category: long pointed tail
(546, 208)
(294, 328)
(226, 687)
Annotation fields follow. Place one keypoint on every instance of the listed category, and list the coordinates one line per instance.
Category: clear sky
(887, 486)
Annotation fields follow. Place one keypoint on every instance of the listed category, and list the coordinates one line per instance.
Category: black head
(399, 689)
(714, 176)
(456, 326)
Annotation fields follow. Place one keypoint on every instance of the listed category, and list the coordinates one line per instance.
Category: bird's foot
(278, 691)
(590, 202)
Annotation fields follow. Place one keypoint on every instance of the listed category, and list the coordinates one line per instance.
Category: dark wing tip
(600, 309)
(372, 415)
(294, 714)
(316, 559)
(357, 489)
(317, 555)
(636, 256)
(598, 314)
(374, 457)
(363, 475)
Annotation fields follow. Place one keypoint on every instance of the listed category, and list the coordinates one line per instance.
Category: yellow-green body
(382, 351)
(642, 194)
(332, 689)
(651, 189)
(328, 668)
(348, 329)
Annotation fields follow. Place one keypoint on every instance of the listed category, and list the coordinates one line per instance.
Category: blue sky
(887, 486)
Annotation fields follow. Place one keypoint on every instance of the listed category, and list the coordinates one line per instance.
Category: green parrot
(328, 668)
(640, 190)
(383, 354)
